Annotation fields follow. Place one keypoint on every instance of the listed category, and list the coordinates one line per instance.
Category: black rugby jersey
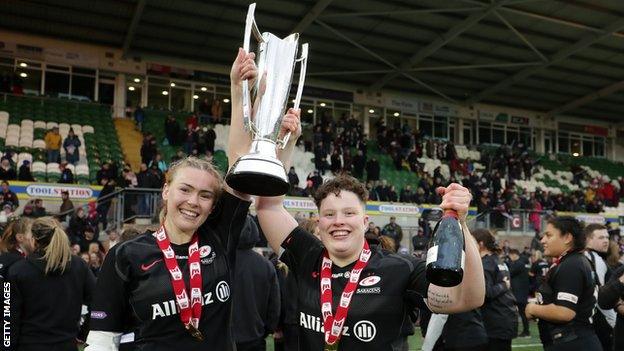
(134, 291)
(378, 316)
(569, 284)
(500, 315)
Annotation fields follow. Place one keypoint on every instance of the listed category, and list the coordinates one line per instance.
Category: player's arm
(470, 293)
(239, 140)
(275, 221)
(551, 312)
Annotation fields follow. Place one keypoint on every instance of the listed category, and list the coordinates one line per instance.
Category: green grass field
(415, 341)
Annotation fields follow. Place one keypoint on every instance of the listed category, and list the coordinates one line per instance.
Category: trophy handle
(304, 63)
(250, 27)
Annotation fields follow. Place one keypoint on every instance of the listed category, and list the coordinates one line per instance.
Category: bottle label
(463, 261)
(432, 254)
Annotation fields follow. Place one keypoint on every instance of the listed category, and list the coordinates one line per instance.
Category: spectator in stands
(148, 148)
(113, 238)
(67, 206)
(95, 263)
(359, 162)
(210, 137)
(104, 200)
(38, 209)
(28, 211)
(336, 163)
(7, 171)
(71, 145)
(393, 231)
(204, 112)
(130, 179)
(407, 194)
(89, 238)
(190, 139)
(139, 117)
(104, 172)
(372, 169)
(216, 110)
(24, 173)
(191, 122)
(48, 290)
(159, 162)
(53, 142)
(172, 130)
(316, 179)
(77, 225)
(256, 301)
(8, 196)
(67, 177)
(293, 180)
(392, 194)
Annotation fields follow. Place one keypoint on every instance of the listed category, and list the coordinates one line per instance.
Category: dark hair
(589, 229)
(567, 224)
(487, 238)
(338, 184)
(514, 252)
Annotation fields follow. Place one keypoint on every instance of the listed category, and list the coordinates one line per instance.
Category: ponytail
(52, 241)
(487, 238)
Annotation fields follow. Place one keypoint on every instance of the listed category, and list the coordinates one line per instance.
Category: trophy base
(258, 175)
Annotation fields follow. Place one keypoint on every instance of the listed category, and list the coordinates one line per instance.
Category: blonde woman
(48, 289)
(15, 244)
(171, 289)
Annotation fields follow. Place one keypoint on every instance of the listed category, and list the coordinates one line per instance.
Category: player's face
(190, 198)
(599, 240)
(554, 242)
(342, 223)
(26, 242)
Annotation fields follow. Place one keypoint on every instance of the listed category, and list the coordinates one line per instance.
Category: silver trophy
(260, 172)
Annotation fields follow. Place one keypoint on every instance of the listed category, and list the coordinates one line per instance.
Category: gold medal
(331, 347)
(194, 332)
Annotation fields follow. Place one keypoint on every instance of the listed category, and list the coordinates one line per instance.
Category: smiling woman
(170, 289)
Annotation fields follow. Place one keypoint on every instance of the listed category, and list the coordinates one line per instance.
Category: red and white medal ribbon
(190, 307)
(332, 325)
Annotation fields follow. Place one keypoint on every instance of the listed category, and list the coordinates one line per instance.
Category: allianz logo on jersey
(364, 330)
(169, 308)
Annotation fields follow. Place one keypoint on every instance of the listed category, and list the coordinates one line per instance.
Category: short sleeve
(418, 278)
(228, 219)
(302, 248)
(568, 285)
(109, 308)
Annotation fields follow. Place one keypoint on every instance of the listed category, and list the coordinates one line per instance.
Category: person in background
(256, 300)
(7, 172)
(67, 176)
(596, 250)
(8, 196)
(172, 130)
(613, 256)
(520, 286)
(71, 145)
(139, 117)
(24, 173)
(500, 315)
(39, 210)
(159, 162)
(611, 296)
(216, 110)
(48, 320)
(67, 206)
(538, 271)
(565, 301)
(53, 142)
(15, 244)
(393, 231)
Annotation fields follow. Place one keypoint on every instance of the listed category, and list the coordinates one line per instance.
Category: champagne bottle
(445, 257)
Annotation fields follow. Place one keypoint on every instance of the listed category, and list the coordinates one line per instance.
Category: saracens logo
(365, 331)
(204, 251)
(370, 281)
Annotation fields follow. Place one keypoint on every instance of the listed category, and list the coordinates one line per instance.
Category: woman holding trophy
(171, 289)
(352, 296)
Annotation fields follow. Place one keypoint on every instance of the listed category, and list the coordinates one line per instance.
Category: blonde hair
(387, 243)
(537, 255)
(192, 162)
(52, 240)
(8, 241)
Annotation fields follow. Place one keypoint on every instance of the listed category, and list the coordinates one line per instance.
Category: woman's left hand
(291, 123)
(528, 311)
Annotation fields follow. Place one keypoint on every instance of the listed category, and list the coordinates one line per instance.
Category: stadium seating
(25, 120)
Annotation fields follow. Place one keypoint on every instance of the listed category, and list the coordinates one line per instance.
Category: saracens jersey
(378, 315)
(134, 292)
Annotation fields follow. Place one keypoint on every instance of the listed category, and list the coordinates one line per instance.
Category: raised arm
(470, 293)
(239, 139)
(275, 221)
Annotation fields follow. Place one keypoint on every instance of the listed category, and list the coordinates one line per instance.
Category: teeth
(340, 232)
(189, 213)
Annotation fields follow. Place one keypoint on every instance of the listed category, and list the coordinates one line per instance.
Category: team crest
(204, 251)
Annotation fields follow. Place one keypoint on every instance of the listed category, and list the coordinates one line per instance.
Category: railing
(517, 221)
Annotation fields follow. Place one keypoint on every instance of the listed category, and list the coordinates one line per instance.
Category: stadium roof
(561, 57)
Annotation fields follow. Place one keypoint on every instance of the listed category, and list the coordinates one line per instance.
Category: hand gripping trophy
(260, 172)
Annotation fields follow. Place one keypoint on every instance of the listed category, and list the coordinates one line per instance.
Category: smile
(189, 213)
(340, 234)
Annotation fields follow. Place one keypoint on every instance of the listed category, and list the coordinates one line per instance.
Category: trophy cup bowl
(260, 172)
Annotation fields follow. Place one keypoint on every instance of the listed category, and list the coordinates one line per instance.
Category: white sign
(54, 191)
(398, 209)
(299, 204)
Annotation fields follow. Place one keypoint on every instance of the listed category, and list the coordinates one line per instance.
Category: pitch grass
(415, 341)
